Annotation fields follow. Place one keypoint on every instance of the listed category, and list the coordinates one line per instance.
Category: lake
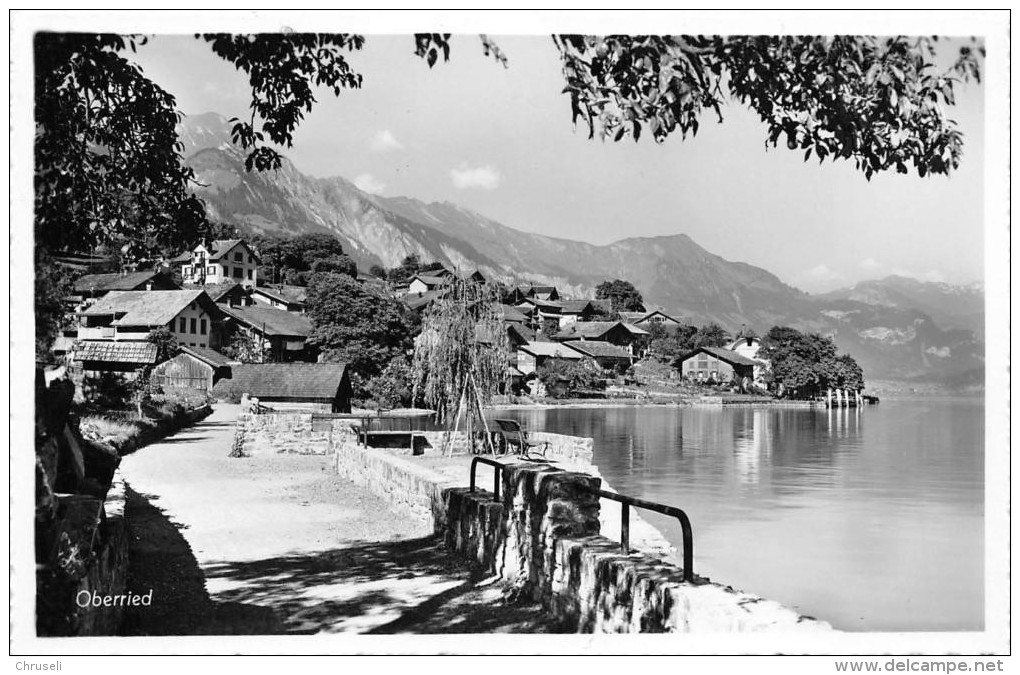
(871, 519)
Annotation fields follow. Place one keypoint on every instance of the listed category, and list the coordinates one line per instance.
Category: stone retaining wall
(543, 537)
(409, 489)
(274, 433)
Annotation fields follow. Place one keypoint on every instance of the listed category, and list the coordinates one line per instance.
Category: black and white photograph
(548, 333)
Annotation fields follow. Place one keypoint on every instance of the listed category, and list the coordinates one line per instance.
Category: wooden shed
(322, 387)
(194, 368)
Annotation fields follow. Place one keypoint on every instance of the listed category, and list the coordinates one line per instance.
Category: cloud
(366, 182)
(870, 264)
(385, 141)
(820, 273)
(481, 177)
(930, 275)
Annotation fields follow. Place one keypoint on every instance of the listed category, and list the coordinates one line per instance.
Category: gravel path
(280, 544)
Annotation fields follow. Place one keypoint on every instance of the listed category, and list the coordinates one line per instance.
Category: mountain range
(897, 328)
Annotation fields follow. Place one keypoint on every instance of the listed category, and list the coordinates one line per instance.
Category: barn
(320, 387)
(195, 368)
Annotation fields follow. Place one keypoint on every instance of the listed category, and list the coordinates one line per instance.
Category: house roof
(210, 356)
(595, 329)
(284, 292)
(297, 381)
(637, 317)
(575, 306)
(109, 351)
(746, 340)
(146, 308)
(557, 350)
(219, 247)
(116, 281)
(271, 321)
(523, 332)
(431, 280)
(215, 291)
(182, 258)
(547, 305)
(599, 348)
(729, 356)
(511, 313)
(417, 302)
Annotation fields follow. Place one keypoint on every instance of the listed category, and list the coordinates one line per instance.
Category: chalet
(191, 316)
(621, 334)
(717, 364)
(651, 318)
(543, 315)
(425, 282)
(572, 311)
(193, 368)
(749, 347)
(95, 357)
(98, 285)
(532, 355)
(282, 296)
(607, 355)
(320, 387)
(219, 261)
(279, 335)
(476, 277)
(548, 293)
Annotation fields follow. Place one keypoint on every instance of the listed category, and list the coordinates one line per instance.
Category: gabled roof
(109, 351)
(575, 306)
(215, 291)
(417, 302)
(147, 308)
(283, 292)
(593, 330)
(558, 350)
(430, 280)
(220, 247)
(120, 282)
(523, 333)
(511, 313)
(297, 381)
(638, 317)
(545, 305)
(599, 348)
(729, 356)
(270, 320)
(210, 356)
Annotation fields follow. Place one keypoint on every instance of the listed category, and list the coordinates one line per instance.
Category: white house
(191, 316)
(220, 261)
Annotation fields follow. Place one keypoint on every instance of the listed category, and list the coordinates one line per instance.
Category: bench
(514, 437)
(386, 427)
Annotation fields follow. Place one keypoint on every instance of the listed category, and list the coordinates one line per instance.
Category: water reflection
(814, 507)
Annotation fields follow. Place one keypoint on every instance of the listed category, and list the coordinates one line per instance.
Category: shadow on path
(399, 586)
(162, 561)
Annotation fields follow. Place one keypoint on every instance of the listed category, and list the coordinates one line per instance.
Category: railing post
(625, 527)
(495, 482)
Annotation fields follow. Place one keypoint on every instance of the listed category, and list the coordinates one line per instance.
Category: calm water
(872, 520)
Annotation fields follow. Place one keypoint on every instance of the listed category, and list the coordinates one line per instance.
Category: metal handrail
(685, 524)
(495, 474)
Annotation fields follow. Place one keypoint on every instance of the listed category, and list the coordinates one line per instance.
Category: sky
(500, 141)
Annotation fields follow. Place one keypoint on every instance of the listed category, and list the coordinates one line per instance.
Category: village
(212, 299)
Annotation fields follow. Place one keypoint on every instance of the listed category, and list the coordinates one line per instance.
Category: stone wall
(408, 488)
(542, 536)
(272, 433)
(81, 541)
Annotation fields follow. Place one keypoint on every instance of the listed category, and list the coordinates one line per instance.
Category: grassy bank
(162, 414)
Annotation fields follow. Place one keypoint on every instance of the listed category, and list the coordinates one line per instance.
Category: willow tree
(462, 358)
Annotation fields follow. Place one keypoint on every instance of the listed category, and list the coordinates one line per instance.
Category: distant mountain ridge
(888, 325)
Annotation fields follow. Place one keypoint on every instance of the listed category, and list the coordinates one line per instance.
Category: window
(202, 324)
(193, 322)
(249, 274)
(251, 260)
(238, 273)
(186, 271)
(212, 269)
(183, 325)
(238, 257)
(191, 344)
